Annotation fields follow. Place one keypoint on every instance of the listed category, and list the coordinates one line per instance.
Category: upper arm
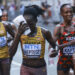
(47, 35)
(9, 29)
(14, 28)
(56, 33)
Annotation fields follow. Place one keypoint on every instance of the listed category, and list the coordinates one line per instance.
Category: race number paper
(69, 50)
(32, 49)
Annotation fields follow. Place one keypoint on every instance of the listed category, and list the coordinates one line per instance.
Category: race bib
(32, 50)
(3, 41)
(69, 50)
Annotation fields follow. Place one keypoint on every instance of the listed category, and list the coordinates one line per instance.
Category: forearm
(53, 44)
(51, 40)
(67, 44)
(13, 47)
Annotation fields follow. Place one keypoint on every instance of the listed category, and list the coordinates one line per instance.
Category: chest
(67, 29)
(32, 40)
(67, 34)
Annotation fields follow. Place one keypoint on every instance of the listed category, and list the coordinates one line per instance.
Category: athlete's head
(66, 12)
(31, 13)
(4, 15)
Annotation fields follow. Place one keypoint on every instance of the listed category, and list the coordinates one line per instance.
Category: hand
(22, 27)
(53, 53)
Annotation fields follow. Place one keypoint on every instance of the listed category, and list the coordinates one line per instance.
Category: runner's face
(31, 21)
(67, 13)
(4, 16)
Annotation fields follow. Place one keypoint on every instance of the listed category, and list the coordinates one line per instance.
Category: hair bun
(39, 9)
(33, 10)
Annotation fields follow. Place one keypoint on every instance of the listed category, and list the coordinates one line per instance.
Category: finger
(21, 22)
(52, 55)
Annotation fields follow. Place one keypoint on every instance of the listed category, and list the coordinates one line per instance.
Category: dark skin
(5, 67)
(21, 29)
(67, 14)
(31, 22)
(9, 30)
(5, 18)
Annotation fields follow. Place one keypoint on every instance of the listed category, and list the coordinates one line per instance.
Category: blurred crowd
(50, 13)
(14, 11)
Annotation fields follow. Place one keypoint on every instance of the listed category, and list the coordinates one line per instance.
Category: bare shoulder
(44, 30)
(57, 30)
(57, 27)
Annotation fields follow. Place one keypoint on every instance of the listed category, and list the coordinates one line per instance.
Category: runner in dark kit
(64, 33)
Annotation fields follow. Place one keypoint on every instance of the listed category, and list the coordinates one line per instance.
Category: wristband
(56, 48)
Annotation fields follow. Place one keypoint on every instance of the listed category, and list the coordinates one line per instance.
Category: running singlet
(65, 55)
(64, 38)
(33, 47)
(3, 42)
